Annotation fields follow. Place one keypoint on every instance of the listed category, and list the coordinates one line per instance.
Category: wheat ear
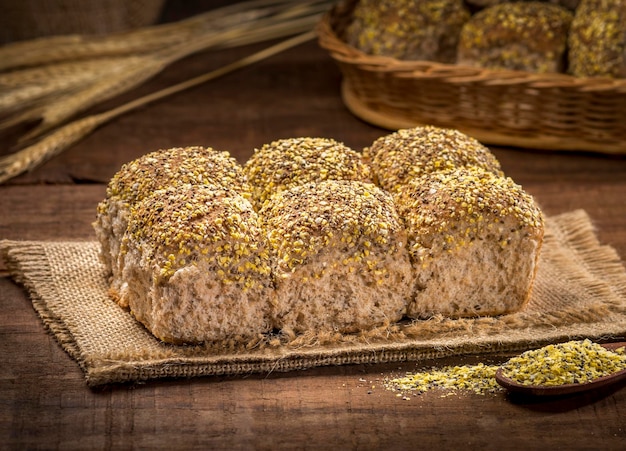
(55, 143)
(235, 29)
(55, 49)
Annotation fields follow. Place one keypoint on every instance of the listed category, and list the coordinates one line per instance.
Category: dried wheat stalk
(64, 137)
(277, 18)
(148, 39)
(88, 70)
(21, 88)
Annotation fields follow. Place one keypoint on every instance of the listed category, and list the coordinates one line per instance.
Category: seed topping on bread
(408, 29)
(410, 153)
(294, 161)
(186, 224)
(303, 221)
(180, 165)
(529, 36)
(597, 39)
(455, 205)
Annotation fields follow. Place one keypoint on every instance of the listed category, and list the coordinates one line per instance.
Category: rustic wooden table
(45, 403)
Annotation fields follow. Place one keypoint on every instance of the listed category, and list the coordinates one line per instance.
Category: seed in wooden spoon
(573, 362)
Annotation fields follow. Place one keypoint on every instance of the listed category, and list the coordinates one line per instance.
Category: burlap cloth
(580, 291)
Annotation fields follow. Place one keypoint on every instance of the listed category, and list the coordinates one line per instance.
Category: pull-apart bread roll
(196, 267)
(408, 29)
(409, 153)
(138, 179)
(597, 39)
(339, 257)
(474, 238)
(288, 162)
(519, 36)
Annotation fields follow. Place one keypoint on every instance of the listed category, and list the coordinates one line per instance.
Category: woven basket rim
(343, 52)
(554, 111)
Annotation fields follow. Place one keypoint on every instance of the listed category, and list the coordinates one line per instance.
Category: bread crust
(288, 162)
(409, 153)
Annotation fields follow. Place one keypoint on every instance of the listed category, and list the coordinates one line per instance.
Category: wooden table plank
(47, 401)
(46, 404)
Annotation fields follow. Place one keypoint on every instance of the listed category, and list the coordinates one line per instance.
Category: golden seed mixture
(176, 166)
(574, 362)
(439, 203)
(479, 379)
(294, 161)
(303, 221)
(406, 154)
(186, 224)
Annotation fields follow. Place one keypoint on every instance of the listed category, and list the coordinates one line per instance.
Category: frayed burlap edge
(580, 292)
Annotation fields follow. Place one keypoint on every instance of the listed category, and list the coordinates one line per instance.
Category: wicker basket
(510, 108)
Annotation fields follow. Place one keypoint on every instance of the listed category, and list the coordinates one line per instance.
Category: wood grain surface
(45, 403)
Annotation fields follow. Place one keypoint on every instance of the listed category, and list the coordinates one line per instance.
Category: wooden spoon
(565, 389)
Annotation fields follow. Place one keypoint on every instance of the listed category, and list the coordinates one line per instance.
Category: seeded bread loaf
(597, 39)
(519, 36)
(138, 179)
(408, 29)
(409, 153)
(339, 257)
(474, 238)
(303, 240)
(196, 267)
